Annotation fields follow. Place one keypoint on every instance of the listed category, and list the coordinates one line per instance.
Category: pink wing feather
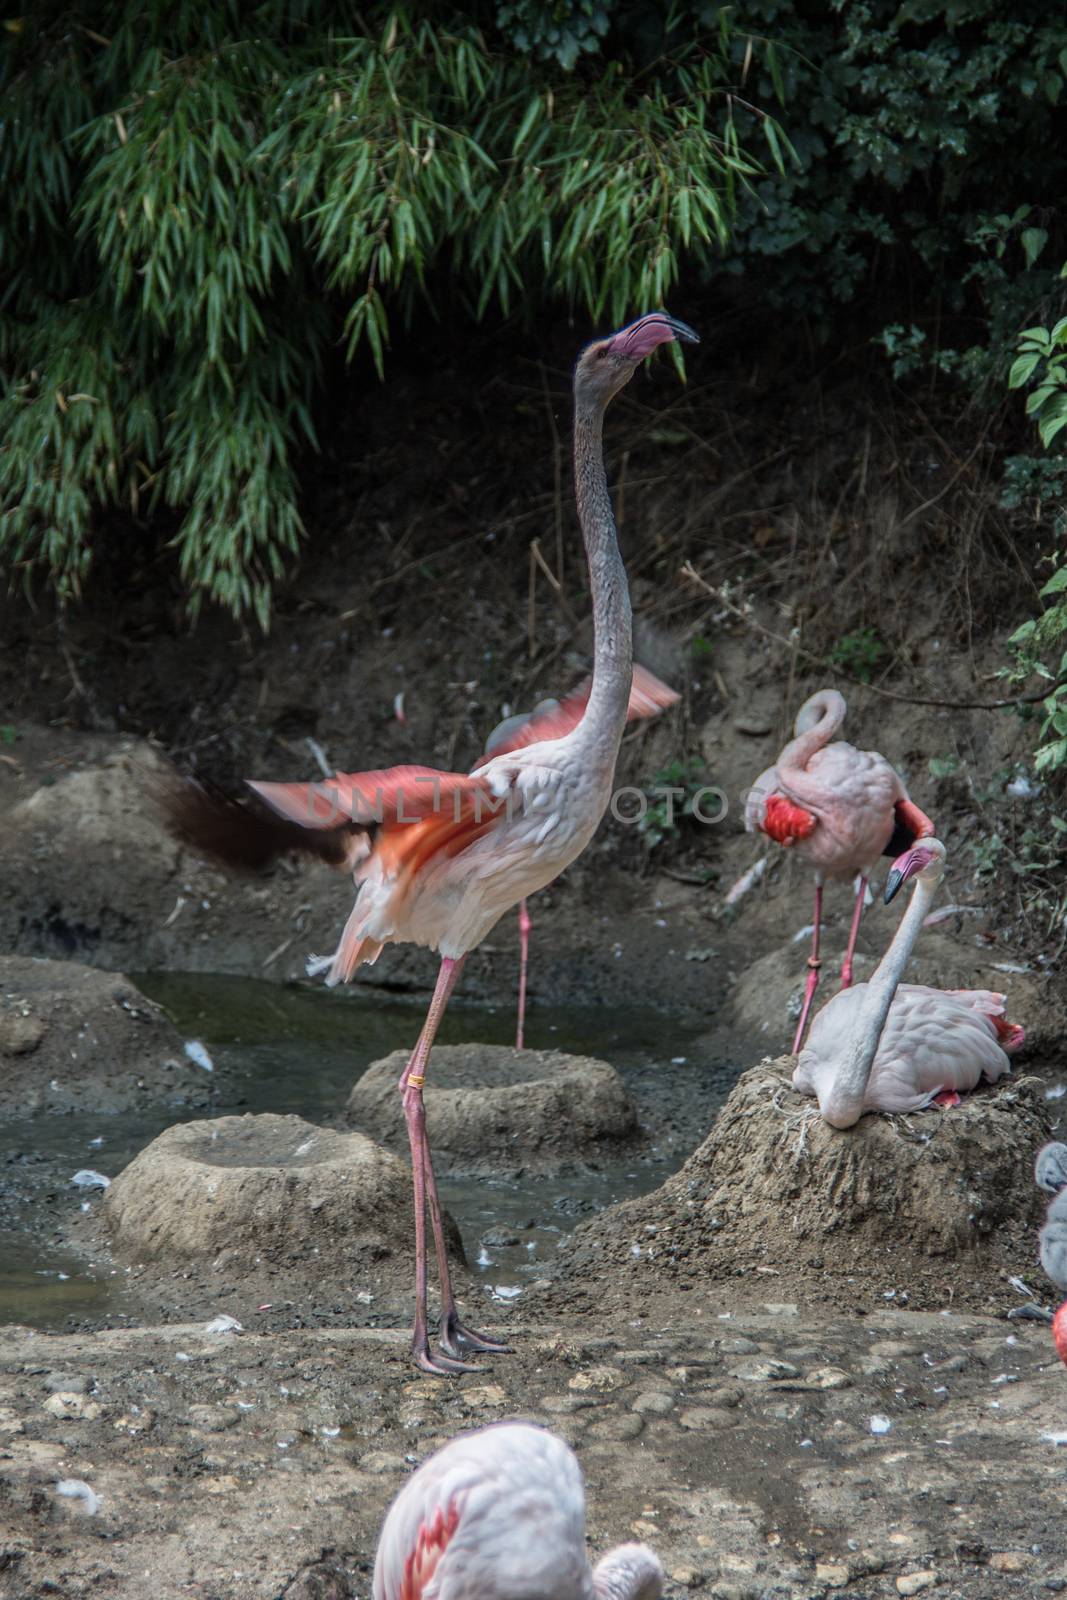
(648, 697)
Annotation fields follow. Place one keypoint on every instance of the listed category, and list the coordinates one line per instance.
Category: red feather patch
(785, 822)
(430, 1545)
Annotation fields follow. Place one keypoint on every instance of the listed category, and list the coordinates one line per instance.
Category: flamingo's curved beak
(904, 867)
(655, 328)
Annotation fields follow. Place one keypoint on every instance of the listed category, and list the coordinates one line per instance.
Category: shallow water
(297, 1049)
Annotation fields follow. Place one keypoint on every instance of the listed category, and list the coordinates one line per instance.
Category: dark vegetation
(280, 277)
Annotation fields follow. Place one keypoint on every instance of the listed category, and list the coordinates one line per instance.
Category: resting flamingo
(1050, 1171)
(500, 1514)
(440, 856)
(891, 1046)
(551, 719)
(839, 808)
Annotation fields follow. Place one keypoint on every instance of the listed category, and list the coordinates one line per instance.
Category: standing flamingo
(1050, 1172)
(839, 808)
(891, 1046)
(440, 856)
(499, 1514)
(551, 719)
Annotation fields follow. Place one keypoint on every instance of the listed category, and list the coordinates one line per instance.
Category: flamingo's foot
(846, 975)
(438, 1365)
(946, 1097)
(455, 1333)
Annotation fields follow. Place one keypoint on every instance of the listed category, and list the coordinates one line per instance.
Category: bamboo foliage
(199, 202)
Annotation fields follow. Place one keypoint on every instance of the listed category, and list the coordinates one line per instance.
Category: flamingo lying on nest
(552, 719)
(891, 1046)
(439, 857)
(839, 808)
(1050, 1172)
(499, 1514)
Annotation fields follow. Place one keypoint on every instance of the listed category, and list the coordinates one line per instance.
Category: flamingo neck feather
(629, 1572)
(844, 1103)
(818, 721)
(605, 714)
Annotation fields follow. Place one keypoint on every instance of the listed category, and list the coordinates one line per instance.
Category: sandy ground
(771, 1436)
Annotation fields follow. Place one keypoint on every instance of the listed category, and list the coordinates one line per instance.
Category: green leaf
(1022, 368)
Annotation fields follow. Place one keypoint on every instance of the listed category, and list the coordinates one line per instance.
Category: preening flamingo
(839, 808)
(551, 719)
(500, 1515)
(891, 1046)
(440, 856)
(1050, 1171)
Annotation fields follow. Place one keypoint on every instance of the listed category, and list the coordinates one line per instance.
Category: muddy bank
(765, 1456)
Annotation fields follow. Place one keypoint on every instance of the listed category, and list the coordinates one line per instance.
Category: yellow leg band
(416, 1080)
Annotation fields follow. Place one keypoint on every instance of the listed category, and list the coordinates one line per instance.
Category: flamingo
(891, 1046)
(839, 808)
(552, 719)
(1050, 1172)
(440, 856)
(500, 1514)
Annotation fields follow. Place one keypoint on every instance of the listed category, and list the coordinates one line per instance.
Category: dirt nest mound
(496, 1110)
(73, 1039)
(775, 1189)
(238, 1192)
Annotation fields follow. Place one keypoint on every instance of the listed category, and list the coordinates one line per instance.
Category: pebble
(686, 1577)
(380, 1462)
(67, 1382)
(483, 1394)
(830, 1573)
(764, 1371)
(562, 1405)
(654, 1403)
(754, 727)
(739, 1346)
(913, 1582)
(603, 1378)
(701, 1418)
(829, 1378)
(72, 1407)
(625, 1427)
(1010, 1560)
(10, 1421)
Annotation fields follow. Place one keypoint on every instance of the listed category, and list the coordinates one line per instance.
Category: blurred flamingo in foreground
(1050, 1171)
(891, 1046)
(551, 719)
(440, 856)
(839, 808)
(500, 1514)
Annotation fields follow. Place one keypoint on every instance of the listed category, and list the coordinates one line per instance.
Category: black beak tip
(684, 332)
(892, 884)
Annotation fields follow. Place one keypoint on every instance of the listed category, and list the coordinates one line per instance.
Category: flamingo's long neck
(810, 736)
(843, 1106)
(605, 714)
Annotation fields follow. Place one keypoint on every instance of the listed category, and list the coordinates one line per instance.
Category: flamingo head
(606, 365)
(926, 858)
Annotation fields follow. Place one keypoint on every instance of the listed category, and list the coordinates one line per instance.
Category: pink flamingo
(1050, 1172)
(440, 856)
(891, 1046)
(839, 808)
(552, 719)
(500, 1514)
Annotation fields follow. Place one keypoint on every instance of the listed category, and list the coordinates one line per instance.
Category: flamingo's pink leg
(857, 913)
(425, 1185)
(813, 972)
(524, 955)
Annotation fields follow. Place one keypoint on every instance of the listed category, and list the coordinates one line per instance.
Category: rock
(562, 1405)
(686, 1577)
(604, 1379)
(753, 727)
(379, 1462)
(261, 1188)
(622, 1428)
(830, 1573)
(481, 1395)
(73, 1039)
(1010, 1560)
(492, 1109)
(763, 1371)
(828, 1378)
(10, 1421)
(700, 1418)
(72, 1407)
(654, 1403)
(915, 1582)
(322, 1580)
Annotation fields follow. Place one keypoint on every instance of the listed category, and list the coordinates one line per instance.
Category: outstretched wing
(648, 697)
